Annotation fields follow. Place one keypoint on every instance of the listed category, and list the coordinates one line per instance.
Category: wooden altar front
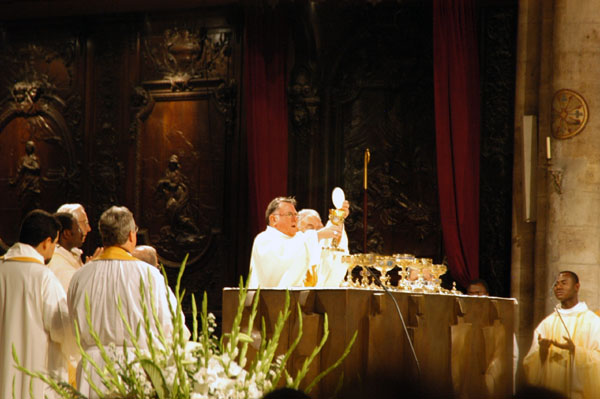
(464, 344)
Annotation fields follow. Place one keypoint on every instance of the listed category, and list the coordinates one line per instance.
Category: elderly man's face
(310, 222)
(285, 219)
(77, 235)
(84, 224)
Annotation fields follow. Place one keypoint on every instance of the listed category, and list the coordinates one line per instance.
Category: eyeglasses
(288, 214)
(136, 229)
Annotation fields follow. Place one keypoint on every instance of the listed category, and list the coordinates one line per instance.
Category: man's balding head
(309, 219)
(147, 254)
(78, 212)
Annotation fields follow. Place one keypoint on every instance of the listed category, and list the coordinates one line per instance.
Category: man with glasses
(33, 311)
(282, 256)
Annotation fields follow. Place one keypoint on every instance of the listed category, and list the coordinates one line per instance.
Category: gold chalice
(437, 271)
(404, 262)
(352, 262)
(383, 264)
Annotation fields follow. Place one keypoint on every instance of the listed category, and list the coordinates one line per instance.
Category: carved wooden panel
(40, 124)
(376, 93)
(363, 79)
(184, 111)
(498, 57)
(108, 106)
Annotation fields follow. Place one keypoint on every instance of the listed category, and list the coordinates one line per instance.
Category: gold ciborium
(337, 215)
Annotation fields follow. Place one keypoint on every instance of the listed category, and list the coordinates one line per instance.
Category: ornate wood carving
(187, 57)
(185, 228)
(28, 179)
(304, 104)
(107, 168)
(377, 67)
(40, 106)
(498, 57)
(304, 118)
(142, 104)
(185, 117)
(224, 97)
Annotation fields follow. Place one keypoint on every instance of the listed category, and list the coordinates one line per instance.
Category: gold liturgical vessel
(337, 215)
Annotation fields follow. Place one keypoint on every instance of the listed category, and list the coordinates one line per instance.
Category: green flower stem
(108, 362)
(305, 366)
(334, 365)
(132, 336)
(290, 349)
(244, 349)
(194, 319)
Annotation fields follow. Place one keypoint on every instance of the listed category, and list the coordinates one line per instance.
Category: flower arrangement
(202, 366)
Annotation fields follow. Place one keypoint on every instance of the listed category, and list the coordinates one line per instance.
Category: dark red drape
(457, 122)
(266, 109)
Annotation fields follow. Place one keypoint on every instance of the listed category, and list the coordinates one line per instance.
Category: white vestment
(282, 261)
(64, 264)
(35, 319)
(331, 270)
(116, 274)
(576, 377)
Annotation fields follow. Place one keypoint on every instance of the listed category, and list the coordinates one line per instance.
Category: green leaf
(156, 378)
(244, 338)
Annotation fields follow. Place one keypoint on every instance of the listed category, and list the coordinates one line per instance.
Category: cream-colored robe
(35, 318)
(115, 274)
(554, 373)
(331, 270)
(281, 261)
(64, 264)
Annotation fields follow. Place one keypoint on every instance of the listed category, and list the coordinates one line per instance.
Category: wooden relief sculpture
(182, 56)
(28, 179)
(180, 233)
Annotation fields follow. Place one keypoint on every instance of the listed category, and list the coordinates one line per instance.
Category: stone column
(572, 234)
(529, 71)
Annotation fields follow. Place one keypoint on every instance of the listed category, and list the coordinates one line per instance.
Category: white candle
(548, 148)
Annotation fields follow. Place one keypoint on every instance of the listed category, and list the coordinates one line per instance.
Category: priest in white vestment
(78, 212)
(565, 353)
(116, 274)
(283, 257)
(64, 262)
(33, 311)
(330, 270)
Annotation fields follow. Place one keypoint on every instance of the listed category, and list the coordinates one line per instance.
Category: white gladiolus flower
(203, 369)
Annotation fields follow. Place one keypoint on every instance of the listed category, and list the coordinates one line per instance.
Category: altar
(464, 344)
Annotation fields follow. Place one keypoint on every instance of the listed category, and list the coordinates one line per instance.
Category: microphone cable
(410, 343)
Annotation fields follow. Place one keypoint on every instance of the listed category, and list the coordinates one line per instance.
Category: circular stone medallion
(569, 114)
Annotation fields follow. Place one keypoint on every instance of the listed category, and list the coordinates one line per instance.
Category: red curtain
(266, 109)
(457, 122)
